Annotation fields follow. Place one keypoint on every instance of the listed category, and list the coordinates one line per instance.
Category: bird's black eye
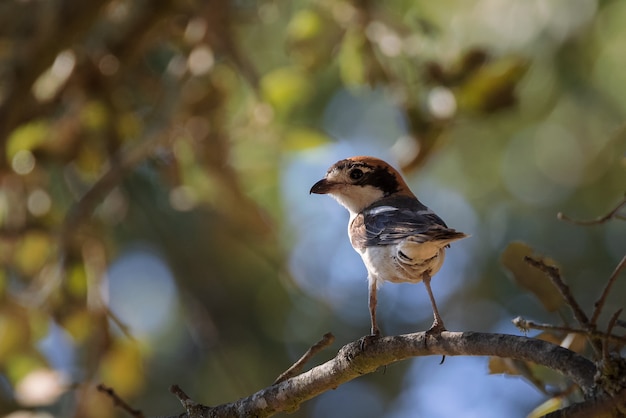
(356, 174)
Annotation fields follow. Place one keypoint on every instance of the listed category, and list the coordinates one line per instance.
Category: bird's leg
(372, 305)
(368, 339)
(438, 325)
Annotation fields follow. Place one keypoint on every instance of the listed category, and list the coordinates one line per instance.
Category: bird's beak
(321, 187)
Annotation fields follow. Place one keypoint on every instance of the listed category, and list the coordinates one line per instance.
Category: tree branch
(613, 214)
(525, 325)
(554, 274)
(352, 361)
(326, 340)
(605, 292)
(118, 401)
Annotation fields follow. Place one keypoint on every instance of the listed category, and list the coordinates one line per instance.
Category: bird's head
(358, 182)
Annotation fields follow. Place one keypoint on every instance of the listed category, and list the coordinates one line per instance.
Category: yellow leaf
(129, 126)
(76, 282)
(13, 332)
(94, 116)
(499, 365)
(32, 253)
(529, 277)
(3, 283)
(551, 405)
(80, 324)
(122, 368)
(302, 138)
(27, 137)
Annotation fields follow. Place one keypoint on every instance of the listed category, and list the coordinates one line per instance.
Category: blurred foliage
(163, 129)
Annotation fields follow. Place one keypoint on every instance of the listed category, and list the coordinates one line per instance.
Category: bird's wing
(388, 225)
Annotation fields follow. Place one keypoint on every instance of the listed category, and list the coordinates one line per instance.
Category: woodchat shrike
(398, 237)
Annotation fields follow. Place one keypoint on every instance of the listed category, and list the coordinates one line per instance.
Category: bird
(398, 238)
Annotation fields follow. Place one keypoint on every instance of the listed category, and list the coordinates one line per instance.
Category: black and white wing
(392, 222)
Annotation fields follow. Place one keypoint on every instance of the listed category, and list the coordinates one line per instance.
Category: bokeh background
(155, 163)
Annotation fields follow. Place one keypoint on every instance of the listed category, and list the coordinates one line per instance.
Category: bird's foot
(436, 329)
(368, 339)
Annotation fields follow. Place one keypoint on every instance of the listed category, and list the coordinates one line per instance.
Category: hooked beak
(321, 187)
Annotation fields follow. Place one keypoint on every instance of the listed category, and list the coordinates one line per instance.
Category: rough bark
(367, 355)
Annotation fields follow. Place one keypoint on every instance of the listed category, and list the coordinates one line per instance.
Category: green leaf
(351, 59)
(300, 139)
(305, 24)
(285, 87)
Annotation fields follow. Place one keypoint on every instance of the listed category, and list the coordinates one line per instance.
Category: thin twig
(607, 288)
(117, 401)
(554, 275)
(611, 215)
(192, 408)
(127, 161)
(605, 345)
(326, 340)
(180, 394)
(525, 325)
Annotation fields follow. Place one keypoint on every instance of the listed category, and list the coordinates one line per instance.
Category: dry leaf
(529, 277)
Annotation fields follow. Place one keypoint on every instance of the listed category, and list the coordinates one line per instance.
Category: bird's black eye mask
(378, 177)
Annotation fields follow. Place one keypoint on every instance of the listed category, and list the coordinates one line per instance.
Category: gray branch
(356, 359)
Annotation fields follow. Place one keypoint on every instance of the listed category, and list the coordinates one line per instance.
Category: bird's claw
(368, 340)
(436, 329)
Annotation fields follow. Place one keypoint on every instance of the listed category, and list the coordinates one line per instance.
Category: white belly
(384, 263)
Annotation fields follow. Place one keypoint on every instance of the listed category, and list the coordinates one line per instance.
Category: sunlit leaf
(3, 283)
(301, 139)
(285, 87)
(80, 324)
(90, 161)
(13, 332)
(76, 281)
(20, 364)
(351, 60)
(129, 126)
(545, 408)
(312, 36)
(28, 137)
(492, 86)
(94, 116)
(529, 277)
(305, 24)
(122, 368)
(32, 252)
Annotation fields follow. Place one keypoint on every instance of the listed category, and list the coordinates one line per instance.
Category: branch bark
(354, 360)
